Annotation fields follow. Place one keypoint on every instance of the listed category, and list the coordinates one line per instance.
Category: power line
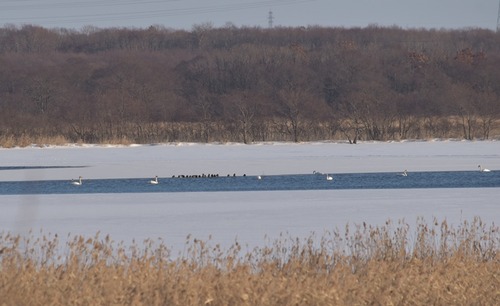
(22, 6)
(117, 15)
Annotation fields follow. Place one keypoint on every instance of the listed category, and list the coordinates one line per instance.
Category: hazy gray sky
(183, 14)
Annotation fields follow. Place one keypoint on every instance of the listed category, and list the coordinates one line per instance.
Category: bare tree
(292, 104)
(245, 118)
(206, 110)
(42, 92)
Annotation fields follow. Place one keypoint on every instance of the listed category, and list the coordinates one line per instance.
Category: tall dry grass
(260, 131)
(393, 264)
(10, 141)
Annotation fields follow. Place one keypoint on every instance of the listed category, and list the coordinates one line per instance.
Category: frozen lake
(291, 182)
(251, 217)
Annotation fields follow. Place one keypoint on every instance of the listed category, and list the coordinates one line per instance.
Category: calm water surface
(445, 179)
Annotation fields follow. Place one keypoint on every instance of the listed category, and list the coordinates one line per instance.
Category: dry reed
(432, 264)
(265, 130)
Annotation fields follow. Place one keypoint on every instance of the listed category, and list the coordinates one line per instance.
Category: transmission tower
(498, 18)
(270, 19)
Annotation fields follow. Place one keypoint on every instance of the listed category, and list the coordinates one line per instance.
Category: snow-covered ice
(251, 218)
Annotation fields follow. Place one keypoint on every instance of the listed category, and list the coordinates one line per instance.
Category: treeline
(247, 84)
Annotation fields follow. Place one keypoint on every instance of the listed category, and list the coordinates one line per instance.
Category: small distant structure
(270, 19)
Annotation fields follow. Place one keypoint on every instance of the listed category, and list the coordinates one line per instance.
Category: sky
(184, 14)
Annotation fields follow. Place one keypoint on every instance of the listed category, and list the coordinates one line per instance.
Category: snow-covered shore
(248, 217)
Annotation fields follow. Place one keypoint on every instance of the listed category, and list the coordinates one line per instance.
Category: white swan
(481, 169)
(154, 181)
(78, 183)
(405, 173)
(329, 177)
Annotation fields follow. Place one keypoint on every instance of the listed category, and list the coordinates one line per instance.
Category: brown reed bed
(431, 263)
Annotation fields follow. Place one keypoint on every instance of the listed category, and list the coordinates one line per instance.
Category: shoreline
(257, 143)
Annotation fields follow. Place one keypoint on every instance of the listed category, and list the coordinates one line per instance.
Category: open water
(442, 179)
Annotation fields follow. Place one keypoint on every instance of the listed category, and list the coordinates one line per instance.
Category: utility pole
(270, 19)
(498, 18)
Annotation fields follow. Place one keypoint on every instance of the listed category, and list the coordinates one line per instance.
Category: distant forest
(230, 84)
